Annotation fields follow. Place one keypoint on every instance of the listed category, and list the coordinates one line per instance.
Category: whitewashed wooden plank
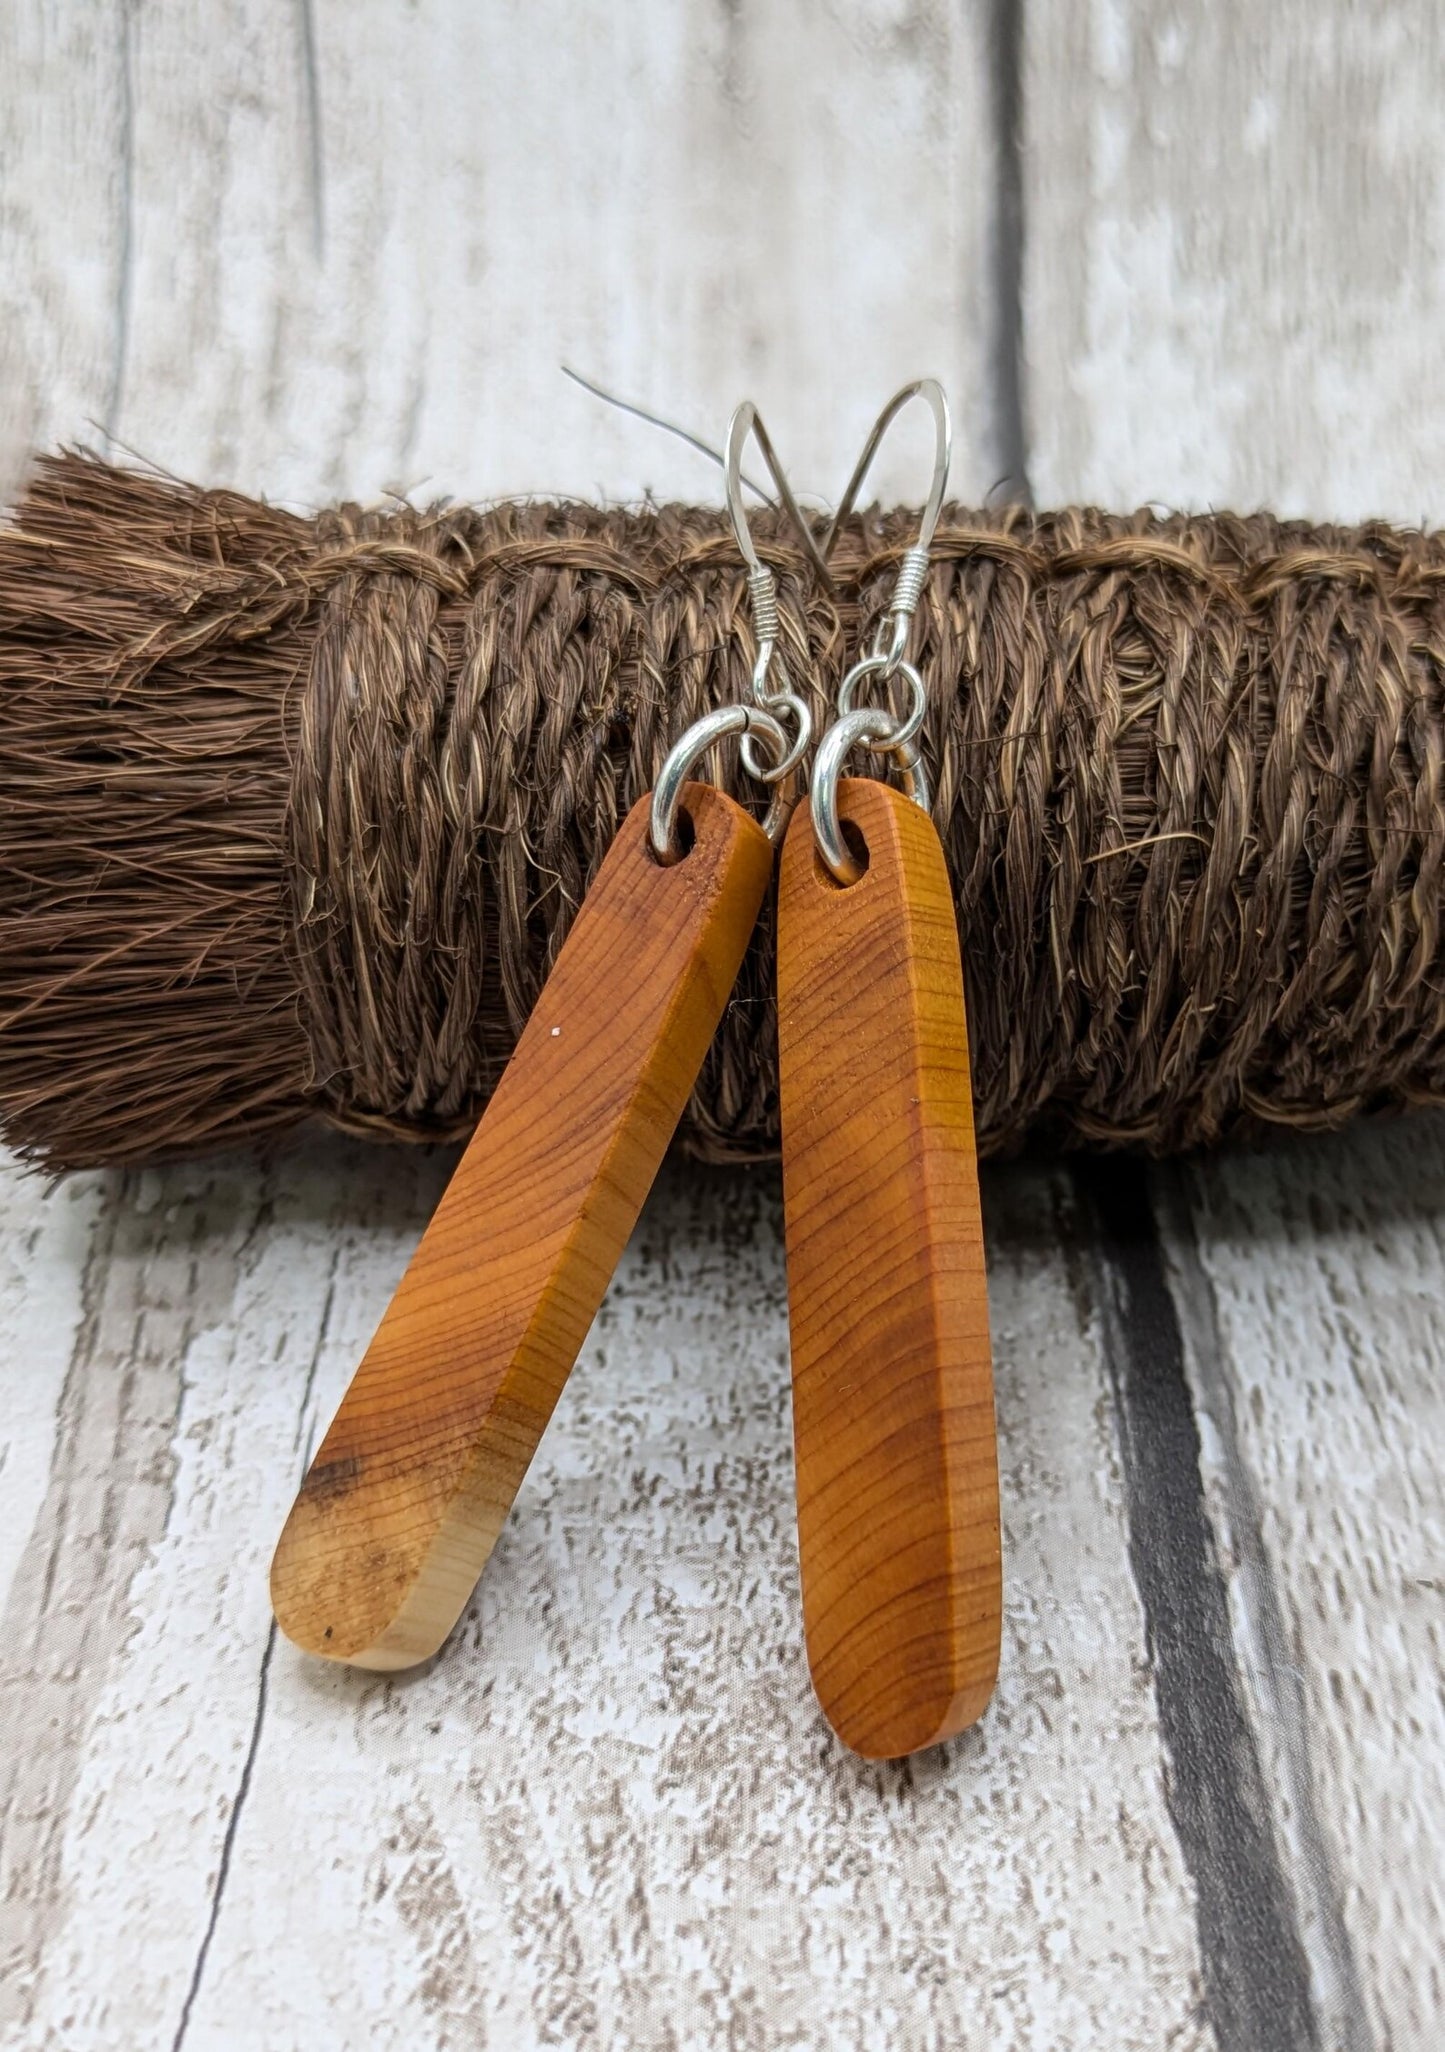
(220, 232)
(610, 1812)
(357, 241)
(1235, 255)
(45, 1245)
(162, 1260)
(1233, 272)
(1321, 1366)
(65, 113)
(348, 250)
(286, 1256)
(1278, 1962)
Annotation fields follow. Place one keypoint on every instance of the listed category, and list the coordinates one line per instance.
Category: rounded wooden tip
(344, 1595)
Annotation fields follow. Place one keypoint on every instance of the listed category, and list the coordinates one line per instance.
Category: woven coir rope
(295, 813)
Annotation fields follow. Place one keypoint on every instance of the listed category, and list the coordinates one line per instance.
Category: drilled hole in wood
(857, 848)
(684, 833)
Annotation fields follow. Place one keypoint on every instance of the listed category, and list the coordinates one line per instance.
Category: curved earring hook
(760, 720)
(746, 420)
(878, 728)
(930, 390)
(763, 590)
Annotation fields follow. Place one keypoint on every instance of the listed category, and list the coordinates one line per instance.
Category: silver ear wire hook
(913, 569)
(763, 589)
(761, 719)
(878, 727)
(928, 389)
(746, 420)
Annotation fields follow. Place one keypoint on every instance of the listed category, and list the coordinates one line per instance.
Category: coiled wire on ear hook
(763, 588)
(763, 718)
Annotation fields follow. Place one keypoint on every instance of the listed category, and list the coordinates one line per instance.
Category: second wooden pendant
(897, 1464)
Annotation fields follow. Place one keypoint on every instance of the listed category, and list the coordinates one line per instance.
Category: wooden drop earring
(897, 1463)
(410, 1486)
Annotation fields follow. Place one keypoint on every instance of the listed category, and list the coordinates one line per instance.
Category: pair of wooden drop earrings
(897, 1466)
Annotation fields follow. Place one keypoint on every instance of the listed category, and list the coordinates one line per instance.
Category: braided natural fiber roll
(294, 813)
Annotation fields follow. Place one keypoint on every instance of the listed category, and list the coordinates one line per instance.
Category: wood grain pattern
(411, 1484)
(893, 1412)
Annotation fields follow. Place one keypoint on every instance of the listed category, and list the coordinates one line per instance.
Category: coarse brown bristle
(294, 813)
(150, 640)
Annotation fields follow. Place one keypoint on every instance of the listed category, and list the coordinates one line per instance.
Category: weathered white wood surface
(319, 247)
(1319, 1360)
(312, 249)
(610, 1812)
(1235, 255)
(1233, 279)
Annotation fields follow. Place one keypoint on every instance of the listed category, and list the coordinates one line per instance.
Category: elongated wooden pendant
(412, 1483)
(897, 1461)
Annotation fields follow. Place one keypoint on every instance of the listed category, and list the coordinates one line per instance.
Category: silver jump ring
(869, 727)
(702, 735)
(778, 704)
(910, 726)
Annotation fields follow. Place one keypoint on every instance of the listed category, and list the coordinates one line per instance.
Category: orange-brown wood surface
(411, 1484)
(893, 1416)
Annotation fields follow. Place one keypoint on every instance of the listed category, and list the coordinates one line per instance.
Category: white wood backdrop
(313, 249)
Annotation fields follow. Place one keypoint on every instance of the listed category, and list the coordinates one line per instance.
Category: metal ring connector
(885, 666)
(702, 735)
(778, 704)
(869, 727)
